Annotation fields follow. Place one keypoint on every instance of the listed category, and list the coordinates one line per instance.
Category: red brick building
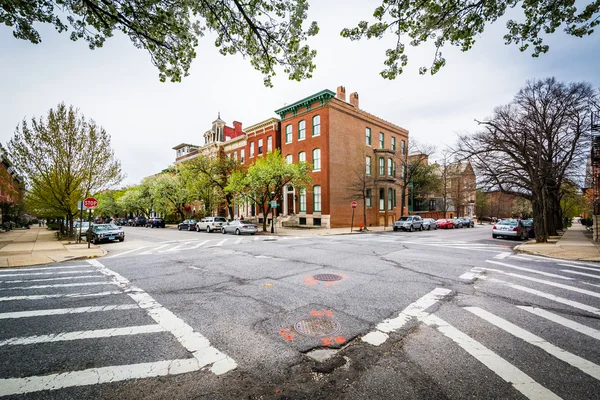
(11, 185)
(341, 141)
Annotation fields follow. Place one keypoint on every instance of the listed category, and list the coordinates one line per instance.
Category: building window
(403, 148)
(302, 193)
(270, 144)
(288, 159)
(394, 193)
(381, 140)
(431, 205)
(235, 155)
(242, 155)
(288, 134)
(260, 146)
(393, 169)
(316, 125)
(316, 156)
(381, 200)
(390, 167)
(317, 221)
(368, 198)
(317, 199)
(251, 149)
(368, 164)
(302, 221)
(381, 166)
(403, 172)
(302, 130)
(302, 157)
(368, 135)
(393, 142)
(390, 199)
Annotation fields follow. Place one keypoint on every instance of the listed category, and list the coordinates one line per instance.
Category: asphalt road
(422, 315)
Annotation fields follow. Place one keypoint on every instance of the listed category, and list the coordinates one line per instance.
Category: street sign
(274, 203)
(90, 202)
(353, 204)
(80, 206)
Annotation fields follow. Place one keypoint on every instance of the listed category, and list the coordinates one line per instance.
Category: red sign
(353, 204)
(90, 202)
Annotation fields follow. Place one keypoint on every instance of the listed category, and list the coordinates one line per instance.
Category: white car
(210, 224)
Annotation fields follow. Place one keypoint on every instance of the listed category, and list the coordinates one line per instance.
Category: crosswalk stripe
(533, 271)
(155, 249)
(175, 248)
(582, 364)
(502, 255)
(580, 267)
(58, 296)
(80, 335)
(56, 285)
(238, 241)
(580, 273)
(220, 243)
(126, 252)
(549, 296)
(63, 311)
(505, 370)
(576, 326)
(48, 273)
(44, 268)
(66, 278)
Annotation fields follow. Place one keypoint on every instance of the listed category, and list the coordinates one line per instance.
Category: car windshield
(220, 219)
(103, 227)
(508, 222)
(405, 219)
(527, 223)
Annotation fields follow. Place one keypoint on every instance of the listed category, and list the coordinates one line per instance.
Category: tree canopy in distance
(269, 32)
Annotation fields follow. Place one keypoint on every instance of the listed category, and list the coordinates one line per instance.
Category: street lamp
(272, 213)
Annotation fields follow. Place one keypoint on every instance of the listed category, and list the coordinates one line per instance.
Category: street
(412, 315)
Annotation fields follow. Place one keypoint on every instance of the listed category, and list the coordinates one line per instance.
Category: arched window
(316, 156)
(288, 159)
(302, 130)
(288, 134)
(302, 157)
(316, 124)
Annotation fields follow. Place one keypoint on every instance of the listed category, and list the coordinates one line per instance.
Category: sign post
(90, 203)
(80, 207)
(273, 204)
(353, 205)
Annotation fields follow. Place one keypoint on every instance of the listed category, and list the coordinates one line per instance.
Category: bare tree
(362, 180)
(412, 162)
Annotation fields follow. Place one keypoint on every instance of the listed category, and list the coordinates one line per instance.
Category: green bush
(54, 226)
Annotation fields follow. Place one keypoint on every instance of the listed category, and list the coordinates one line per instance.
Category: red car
(445, 224)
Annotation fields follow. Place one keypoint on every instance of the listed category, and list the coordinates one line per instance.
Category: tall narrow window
(394, 192)
(381, 166)
(302, 130)
(242, 155)
(316, 125)
(302, 193)
(394, 169)
(251, 149)
(381, 199)
(316, 156)
(368, 164)
(403, 148)
(260, 146)
(288, 134)
(393, 142)
(317, 198)
(288, 159)
(369, 198)
(403, 172)
(302, 157)
(270, 144)
(235, 155)
(381, 140)
(390, 199)
(368, 136)
(390, 167)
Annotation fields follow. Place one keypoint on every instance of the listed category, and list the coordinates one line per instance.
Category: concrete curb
(519, 249)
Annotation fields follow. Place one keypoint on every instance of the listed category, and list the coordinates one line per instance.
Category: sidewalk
(575, 244)
(19, 248)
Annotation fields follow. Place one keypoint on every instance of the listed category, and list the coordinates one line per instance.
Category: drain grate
(327, 277)
(317, 327)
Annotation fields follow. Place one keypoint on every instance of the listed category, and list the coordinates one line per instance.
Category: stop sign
(353, 204)
(90, 202)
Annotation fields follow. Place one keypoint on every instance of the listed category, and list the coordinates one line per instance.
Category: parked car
(238, 227)
(510, 228)
(210, 224)
(102, 232)
(457, 223)
(445, 223)
(155, 223)
(467, 222)
(528, 223)
(409, 223)
(429, 224)
(121, 221)
(139, 221)
(188, 225)
(84, 227)
(130, 222)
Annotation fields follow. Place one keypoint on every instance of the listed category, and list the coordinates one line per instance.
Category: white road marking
(154, 249)
(57, 285)
(44, 268)
(238, 241)
(62, 311)
(193, 341)
(48, 273)
(94, 376)
(57, 296)
(219, 244)
(580, 267)
(505, 370)
(582, 364)
(175, 248)
(522, 258)
(580, 273)
(576, 326)
(127, 252)
(416, 309)
(502, 255)
(66, 278)
(549, 296)
(473, 274)
(198, 245)
(533, 271)
(80, 335)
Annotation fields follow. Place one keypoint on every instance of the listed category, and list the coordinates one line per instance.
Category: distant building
(11, 185)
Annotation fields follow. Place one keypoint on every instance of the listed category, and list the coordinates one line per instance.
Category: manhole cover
(327, 277)
(317, 327)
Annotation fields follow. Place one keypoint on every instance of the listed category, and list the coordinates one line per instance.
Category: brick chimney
(341, 93)
(354, 99)
(237, 127)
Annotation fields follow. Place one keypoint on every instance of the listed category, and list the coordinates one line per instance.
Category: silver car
(429, 224)
(510, 228)
(239, 227)
(409, 223)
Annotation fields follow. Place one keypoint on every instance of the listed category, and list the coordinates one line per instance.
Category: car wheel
(237, 232)
(178, 227)
(189, 228)
(411, 229)
(223, 231)
(120, 240)
(395, 229)
(94, 241)
(197, 229)
(208, 230)
(429, 228)
(494, 235)
(421, 228)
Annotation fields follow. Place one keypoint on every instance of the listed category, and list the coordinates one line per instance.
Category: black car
(139, 221)
(155, 223)
(121, 221)
(188, 224)
(103, 232)
(467, 222)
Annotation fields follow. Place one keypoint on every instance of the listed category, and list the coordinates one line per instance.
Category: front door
(290, 203)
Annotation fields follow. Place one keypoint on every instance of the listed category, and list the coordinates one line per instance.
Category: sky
(118, 86)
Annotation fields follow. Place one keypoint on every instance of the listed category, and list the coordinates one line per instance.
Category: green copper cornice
(323, 97)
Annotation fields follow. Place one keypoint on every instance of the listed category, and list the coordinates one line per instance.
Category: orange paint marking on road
(328, 313)
(287, 334)
(327, 341)
(340, 339)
